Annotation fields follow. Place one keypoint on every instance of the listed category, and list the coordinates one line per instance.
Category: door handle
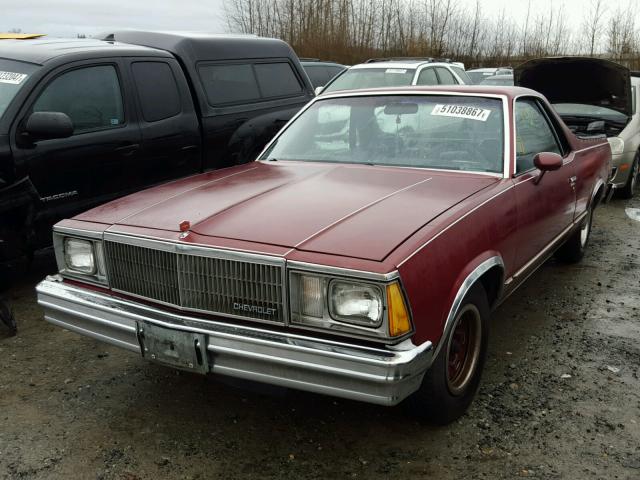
(129, 149)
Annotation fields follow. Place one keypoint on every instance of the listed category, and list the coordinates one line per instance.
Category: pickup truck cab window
(533, 134)
(225, 84)
(436, 131)
(13, 76)
(157, 90)
(90, 96)
(248, 83)
(427, 77)
(277, 80)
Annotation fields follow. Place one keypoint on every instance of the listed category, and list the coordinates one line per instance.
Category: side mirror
(318, 90)
(48, 125)
(546, 162)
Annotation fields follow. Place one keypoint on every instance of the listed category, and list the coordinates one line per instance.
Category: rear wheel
(449, 386)
(573, 249)
(630, 187)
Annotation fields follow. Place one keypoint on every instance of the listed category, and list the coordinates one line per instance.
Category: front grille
(250, 289)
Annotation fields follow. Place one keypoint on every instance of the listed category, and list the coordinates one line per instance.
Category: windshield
(434, 131)
(359, 78)
(12, 77)
(590, 111)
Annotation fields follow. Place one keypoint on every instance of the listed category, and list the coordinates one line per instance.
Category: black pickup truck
(85, 121)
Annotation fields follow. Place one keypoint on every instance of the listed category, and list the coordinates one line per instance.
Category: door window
(427, 77)
(247, 83)
(533, 134)
(157, 90)
(90, 96)
(229, 83)
(277, 80)
(446, 77)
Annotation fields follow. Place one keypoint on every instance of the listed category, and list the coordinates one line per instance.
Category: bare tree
(592, 25)
(351, 31)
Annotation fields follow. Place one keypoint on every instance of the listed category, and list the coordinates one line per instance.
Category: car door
(91, 166)
(546, 203)
(171, 142)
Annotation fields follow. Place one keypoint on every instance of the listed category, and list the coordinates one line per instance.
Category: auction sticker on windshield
(395, 70)
(461, 111)
(12, 77)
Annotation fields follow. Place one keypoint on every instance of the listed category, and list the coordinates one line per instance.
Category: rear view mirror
(49, 125)
(401, 108)
(547, 162)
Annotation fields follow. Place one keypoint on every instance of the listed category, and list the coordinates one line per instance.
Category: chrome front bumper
(380, 375)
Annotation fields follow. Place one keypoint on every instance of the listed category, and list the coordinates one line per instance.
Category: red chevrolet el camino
(360, 256)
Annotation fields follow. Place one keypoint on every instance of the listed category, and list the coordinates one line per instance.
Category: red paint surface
(434, 227)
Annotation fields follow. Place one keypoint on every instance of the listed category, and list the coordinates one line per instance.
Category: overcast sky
(90, 17)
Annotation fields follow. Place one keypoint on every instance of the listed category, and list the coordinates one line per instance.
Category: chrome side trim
(599, 184)
(544, 252)
(378, 375)
(468, 282)
(344, 272)
(454, 223)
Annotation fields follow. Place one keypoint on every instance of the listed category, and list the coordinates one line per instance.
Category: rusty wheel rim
(463, 349)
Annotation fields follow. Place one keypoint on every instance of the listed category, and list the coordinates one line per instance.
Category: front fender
(469, 276)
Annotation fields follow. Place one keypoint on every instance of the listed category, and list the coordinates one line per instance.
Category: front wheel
(449, 386)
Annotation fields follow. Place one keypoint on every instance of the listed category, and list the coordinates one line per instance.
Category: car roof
(311, 63)
(41, 50)
(195, 46)
(400, 64)
(483, 70)
(508, 91)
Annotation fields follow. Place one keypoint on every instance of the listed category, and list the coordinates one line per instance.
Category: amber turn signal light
(399, 322)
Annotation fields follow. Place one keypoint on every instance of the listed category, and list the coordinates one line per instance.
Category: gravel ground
(560, 397)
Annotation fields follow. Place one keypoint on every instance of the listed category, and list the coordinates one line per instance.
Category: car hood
(583, 80)
(347, 210)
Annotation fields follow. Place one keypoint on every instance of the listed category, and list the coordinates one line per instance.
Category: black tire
(573, 249)
(631, 186)
(442, 397)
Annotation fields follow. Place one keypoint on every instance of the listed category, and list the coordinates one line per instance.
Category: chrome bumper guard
(380, 375)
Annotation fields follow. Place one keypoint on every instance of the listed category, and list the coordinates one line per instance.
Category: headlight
(348, 306)
(616, 144)
(355, 303)
(79, 255)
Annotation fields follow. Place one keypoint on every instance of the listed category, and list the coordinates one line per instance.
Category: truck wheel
(573, 249)
(632, 182)
(451, 382)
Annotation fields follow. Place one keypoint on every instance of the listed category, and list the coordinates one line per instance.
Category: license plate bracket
(174, 348)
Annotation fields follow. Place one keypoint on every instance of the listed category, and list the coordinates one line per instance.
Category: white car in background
(478, 75)
(400, 72)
